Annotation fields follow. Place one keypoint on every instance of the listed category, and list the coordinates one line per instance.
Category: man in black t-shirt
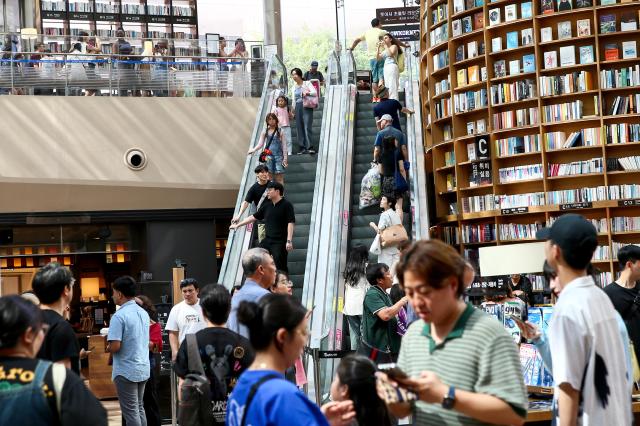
(389, 106)
(224, 353)
(623, 292)
(314, 74)
(255, 195)
(522, 288)
(279, 218)
(53, 284)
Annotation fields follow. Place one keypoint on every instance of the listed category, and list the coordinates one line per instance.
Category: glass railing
(76, 74)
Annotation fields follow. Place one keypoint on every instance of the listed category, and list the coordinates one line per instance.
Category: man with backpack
(124, 49)
(222, 356)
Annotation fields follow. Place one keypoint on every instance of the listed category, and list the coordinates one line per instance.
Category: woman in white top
(389, 50)
(304, 116)
(355, 288)
(388, 217)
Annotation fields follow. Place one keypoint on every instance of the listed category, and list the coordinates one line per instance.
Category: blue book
(525, 10)
(512, 40)
(479, 3)
(529, 63)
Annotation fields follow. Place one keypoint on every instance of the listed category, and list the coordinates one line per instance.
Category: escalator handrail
(231, 270)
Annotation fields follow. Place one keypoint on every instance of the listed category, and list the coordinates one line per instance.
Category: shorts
(274, 163)
(389, 188)
(377, 70)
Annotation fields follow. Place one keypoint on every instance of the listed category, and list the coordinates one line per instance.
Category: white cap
(386, 117)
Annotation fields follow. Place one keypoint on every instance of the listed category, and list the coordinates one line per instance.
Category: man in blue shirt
(387, 130)
(130, 351)
(389, 106)
(260, 269)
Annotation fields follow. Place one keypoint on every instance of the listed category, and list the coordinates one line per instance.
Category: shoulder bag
(252, 394)
(393, 235)
(309, 100)
(195, 404)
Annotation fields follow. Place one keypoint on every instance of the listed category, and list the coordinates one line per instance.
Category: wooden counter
(99, 369)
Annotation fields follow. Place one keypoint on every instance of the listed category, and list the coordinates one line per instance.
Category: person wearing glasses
(53, 285)
(34, 391)
(185, 317)
(283, 285)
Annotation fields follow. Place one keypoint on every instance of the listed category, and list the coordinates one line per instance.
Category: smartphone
(517, 320)
(393, 371)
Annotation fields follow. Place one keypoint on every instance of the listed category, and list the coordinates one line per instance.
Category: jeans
(304, 121)
(131, 398)
(354, 322)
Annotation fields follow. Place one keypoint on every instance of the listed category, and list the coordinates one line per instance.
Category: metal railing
(76, 74)
(239, 240)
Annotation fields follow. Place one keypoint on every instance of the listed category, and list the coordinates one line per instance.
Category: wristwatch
(449, 399)
(288, 241)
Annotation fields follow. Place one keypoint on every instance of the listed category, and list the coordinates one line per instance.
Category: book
(526, 36)
(514, 67)
(512, 40)
(564, 5)
(481, 47)
(611, 52)
(494, 16)
(481, 126)
(583, 27)
(458, 6)
(529, 63)
(547, 7)
(586, 54)
(472, 49)
(474, 74)
(550, 59)
(629, 49)
(546, 34)
(567, 56)
(478, 20)
(607, 23)
(462, 77)
(510, 13)
(628, 22)
(499, 68)
(460, 53)
(471, 128)
(466, 25)
(526, 10)
(471, 151)
(469, 4)
(564, 30)
(583, 3)
(483, 73)
(496, 44)
(479, 3)
(607, 2)
(456, 27)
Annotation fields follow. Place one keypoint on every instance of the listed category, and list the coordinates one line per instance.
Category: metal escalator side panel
(239, 240)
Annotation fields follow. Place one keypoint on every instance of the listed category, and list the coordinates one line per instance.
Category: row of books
(583, 29)
(183, 11)
(442, 86)
(631, 162)
(440, 13)
(447, 132)
(441, 59)
(616, 246)
(467, 24)
(623, 77)
(476, 127)
(594, 165)
(450, 235)
(518, 145)
(510, 13)
(443, 108)
(462, 5)
(469, 101)
(548, 7)
(478, 233)
(581, 81)
(525, 36)
(516, 67)
(518, 231)
(563, 112)
(449, 158)
(515, 118)
(584, 137)
(133, 9)
(568, 56)
(625, 223)
(478, 203)
(451, 182)
(156, 9)
(473, 74)
(520, 200)
(621, 192)
(107, 8)
(80, 7)
(602, 253)
(517, 173)
(581, 195)
(471, 50)
(622, 133)
(54, 6)
(628, 104)
(511, 92)
(599, 224)
(439, 35)
(603, 279)
(609, 23)
(612, 50)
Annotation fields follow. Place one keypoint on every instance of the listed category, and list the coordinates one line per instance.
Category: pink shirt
(283, 115)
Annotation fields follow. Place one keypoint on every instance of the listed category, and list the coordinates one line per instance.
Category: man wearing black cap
(314, 74)
(587, 351)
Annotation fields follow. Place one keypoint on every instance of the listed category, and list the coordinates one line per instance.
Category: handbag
(310, 101)
(393, 235)
(266, 151)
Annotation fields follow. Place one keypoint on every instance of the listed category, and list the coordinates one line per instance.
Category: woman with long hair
(355, 380)
(304, 116)
(275, 148)
(355, 288)
(278, 330)
(389, 49)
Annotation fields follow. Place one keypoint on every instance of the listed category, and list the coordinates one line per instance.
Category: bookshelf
(63, 20)
(553, 98)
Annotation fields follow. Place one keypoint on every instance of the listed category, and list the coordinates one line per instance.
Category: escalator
(299, 183)
(365, 127)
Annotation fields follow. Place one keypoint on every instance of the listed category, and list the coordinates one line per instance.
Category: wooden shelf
(451, 192)
(580, 11)
(465, 137)
(575, 176)
(512, 77)
(516, 182)
(473, 111)
(521, 155)
(617, 6)
(564, 123)
(620, 116)
(568, 69)
(566, 40)
(480, 243)
(469, 61)
(480, 215)
(620, 145)
(515, 103)
(618, 34)
(568, 95)
(438, 46)
(574, 148)
(440, 71)
(467, 12)
(448, 218)
(503, 25)
(442, 95)
(519, 128)
(620, 61)
(442, 120)
(624, 172)
(445, 168)
(476, 188)
(513, 50)
(620, 89)
(461, 37)
(471, 86)
(635, 232)
(434, 26)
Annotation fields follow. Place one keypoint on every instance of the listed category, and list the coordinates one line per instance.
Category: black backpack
(195, 406)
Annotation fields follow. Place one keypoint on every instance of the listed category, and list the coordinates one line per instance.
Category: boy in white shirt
(587, 351)
(185, 317)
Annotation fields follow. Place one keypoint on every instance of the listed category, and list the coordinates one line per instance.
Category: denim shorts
(377, 70)
(274, 163)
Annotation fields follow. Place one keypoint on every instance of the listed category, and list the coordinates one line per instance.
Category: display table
(99, 369)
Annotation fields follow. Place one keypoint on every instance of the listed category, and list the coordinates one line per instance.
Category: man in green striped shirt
(462, 364)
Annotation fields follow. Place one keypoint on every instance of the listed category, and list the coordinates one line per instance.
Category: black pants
(278, 250)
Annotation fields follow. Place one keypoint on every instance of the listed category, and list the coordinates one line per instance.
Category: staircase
(366, 130)
(299, 182)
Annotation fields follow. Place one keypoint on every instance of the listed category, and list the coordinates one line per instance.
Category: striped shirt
(477, 356)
